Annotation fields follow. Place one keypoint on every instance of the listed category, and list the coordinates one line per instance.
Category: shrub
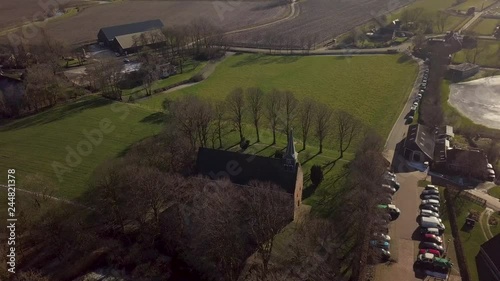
(316, 175)
(244, 144)
(196, 78)
(278, 154)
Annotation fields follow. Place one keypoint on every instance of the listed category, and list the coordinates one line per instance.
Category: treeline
(206, 122)
(148, 216)
(36, 80)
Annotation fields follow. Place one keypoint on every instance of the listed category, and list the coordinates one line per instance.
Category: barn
(107, 35)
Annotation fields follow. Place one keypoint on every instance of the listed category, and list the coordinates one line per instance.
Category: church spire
(291, 153)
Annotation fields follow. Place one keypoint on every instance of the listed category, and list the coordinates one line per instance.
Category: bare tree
(255, 98)
(149, 64)
(235, 102)
(269, 209)
(347, 128)
(322, 124)
(204, 114)
(273, 104)
(306, 116)
(441, 20)
(220, 119)
(291, 104)
(42, 86)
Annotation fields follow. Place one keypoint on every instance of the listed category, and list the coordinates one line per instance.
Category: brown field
(232, 15)
(16, 12)
(326, 18)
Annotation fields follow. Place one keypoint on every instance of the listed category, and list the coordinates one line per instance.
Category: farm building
(129, 43)
(242, 168)
(419, 144)
(107, 35)
(462, 71)
(488, 260)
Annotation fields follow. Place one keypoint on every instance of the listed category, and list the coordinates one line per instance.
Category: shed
(462, 71)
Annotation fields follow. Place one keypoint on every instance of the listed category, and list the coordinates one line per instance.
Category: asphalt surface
(404, 231)
(403, 247)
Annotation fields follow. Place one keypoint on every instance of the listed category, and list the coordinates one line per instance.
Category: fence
(469, 196)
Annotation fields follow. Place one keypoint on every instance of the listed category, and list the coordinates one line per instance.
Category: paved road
(403, 231)
(471, 21)
(491, 202)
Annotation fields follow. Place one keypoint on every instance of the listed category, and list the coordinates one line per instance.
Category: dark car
(430, 191)
(430, 245)
(432, 238)
(426, 197)
(409, 120)
(429, 207)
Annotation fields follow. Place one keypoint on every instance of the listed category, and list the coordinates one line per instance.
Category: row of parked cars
(381, 239)
(431, 250)
(421, 91)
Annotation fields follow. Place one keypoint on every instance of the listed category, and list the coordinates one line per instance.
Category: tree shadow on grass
(260, 59)
(155, 118)
(57, 113)
(309, 159)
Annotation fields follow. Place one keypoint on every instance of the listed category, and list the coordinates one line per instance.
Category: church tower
(291, 156)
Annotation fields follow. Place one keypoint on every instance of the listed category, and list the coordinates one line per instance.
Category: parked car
(431, 222)
(431, 202)
(391, 174)
(382, 236)
(428, 213)
(431, 187)
(388, 188)
(409, 120)
(432, 196)
(430, 245)
(430, 230)
(380, 244)
(425, 258)
(413, 108)
(442, 263)
(429, 207)
(385, 254)
(392, 210)
(430, 192)
(436, 253)
(489, 166)
(432, 238)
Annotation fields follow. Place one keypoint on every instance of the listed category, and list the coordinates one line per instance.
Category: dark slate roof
(112, 31)
(492, 249)
(463, 66)
(242, 168)
(423, 137)
(473, 156)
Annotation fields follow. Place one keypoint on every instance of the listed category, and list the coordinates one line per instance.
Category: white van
(431, 222)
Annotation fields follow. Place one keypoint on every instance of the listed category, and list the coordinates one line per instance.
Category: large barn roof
(113, 31)
(130, 40)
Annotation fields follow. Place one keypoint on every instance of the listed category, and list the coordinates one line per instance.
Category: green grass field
(478, 4)
(494, 191)
(488, 57)
(35, 143)
(485, 26)
(472, 240)
(373, 88)
(190, 69)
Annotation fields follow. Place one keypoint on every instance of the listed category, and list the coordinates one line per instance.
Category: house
(107, 35)
(462, 71)
(419, 144)
(242, 168)
(129, 43)
(488, 260)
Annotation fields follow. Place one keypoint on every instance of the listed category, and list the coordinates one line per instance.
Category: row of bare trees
(279, 111)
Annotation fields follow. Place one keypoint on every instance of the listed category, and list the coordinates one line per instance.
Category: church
(242, 168)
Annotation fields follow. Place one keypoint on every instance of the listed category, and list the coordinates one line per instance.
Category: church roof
(242, 168)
